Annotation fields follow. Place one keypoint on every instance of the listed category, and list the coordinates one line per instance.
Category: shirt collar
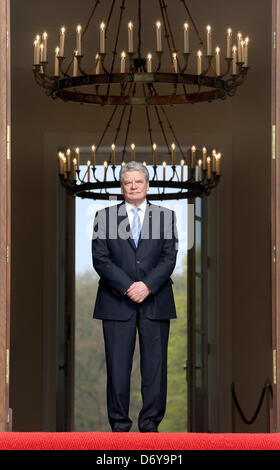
(142, 206)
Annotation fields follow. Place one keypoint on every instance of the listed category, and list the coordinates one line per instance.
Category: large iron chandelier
(132, 78)
(209, 81)
(183, 181)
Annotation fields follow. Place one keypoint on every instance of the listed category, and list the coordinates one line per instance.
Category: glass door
(197, 323)
(90, 409)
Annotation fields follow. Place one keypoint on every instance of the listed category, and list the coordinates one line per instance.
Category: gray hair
(134, 166)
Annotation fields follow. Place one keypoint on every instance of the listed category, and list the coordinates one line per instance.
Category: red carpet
(137, 441)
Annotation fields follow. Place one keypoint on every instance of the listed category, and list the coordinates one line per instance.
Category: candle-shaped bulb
(102, 38)
(182, 170)
(163, 170)
(62, 39)
(193, 156)
(186, 38)
(130, 37)
(56, 62)
(154, 154)
(229, 37)
(218, 61)
(199, 170)
(173, 147)
(79, 40)
(234, 62)
(132, 151)
(199, 63)
(123, 56)
(113, 148)
(93, 149)
(246, 47)
(209, 40)
(158, 31)
(41, 52)
(149, 63)
(204, 155)
(239, 47)
(175, 63)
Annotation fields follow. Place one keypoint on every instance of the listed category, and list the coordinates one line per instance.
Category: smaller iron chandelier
(196, 177)
(141, 81)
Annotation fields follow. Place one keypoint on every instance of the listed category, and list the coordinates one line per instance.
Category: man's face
(134, 187)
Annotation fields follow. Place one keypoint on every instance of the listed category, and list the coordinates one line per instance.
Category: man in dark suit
(134, 249)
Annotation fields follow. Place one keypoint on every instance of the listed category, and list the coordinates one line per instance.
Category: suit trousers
(120, 338)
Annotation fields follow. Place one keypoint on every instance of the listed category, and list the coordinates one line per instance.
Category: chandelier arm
(40, 79)
(139, 29)
(127, 132)
(122, 8)
(148, 118)
(150, 133)
(201, 42)
(170, 126)
(151, 90)
(109, 17)
(97, 2)
(173, 133)
(119, 125)
(106, 127)
(165, 29)
(169, 32)
(164, 10)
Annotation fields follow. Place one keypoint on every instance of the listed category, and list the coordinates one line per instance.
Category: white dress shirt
(141, 213)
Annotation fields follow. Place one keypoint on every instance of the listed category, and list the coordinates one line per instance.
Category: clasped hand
(138, 291)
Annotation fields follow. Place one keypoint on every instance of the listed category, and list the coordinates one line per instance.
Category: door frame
(275, 214)
(5, 212)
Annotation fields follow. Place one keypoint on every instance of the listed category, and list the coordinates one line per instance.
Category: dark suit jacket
(119, 263)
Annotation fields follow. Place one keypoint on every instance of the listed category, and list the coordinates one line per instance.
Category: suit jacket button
(137, 261)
